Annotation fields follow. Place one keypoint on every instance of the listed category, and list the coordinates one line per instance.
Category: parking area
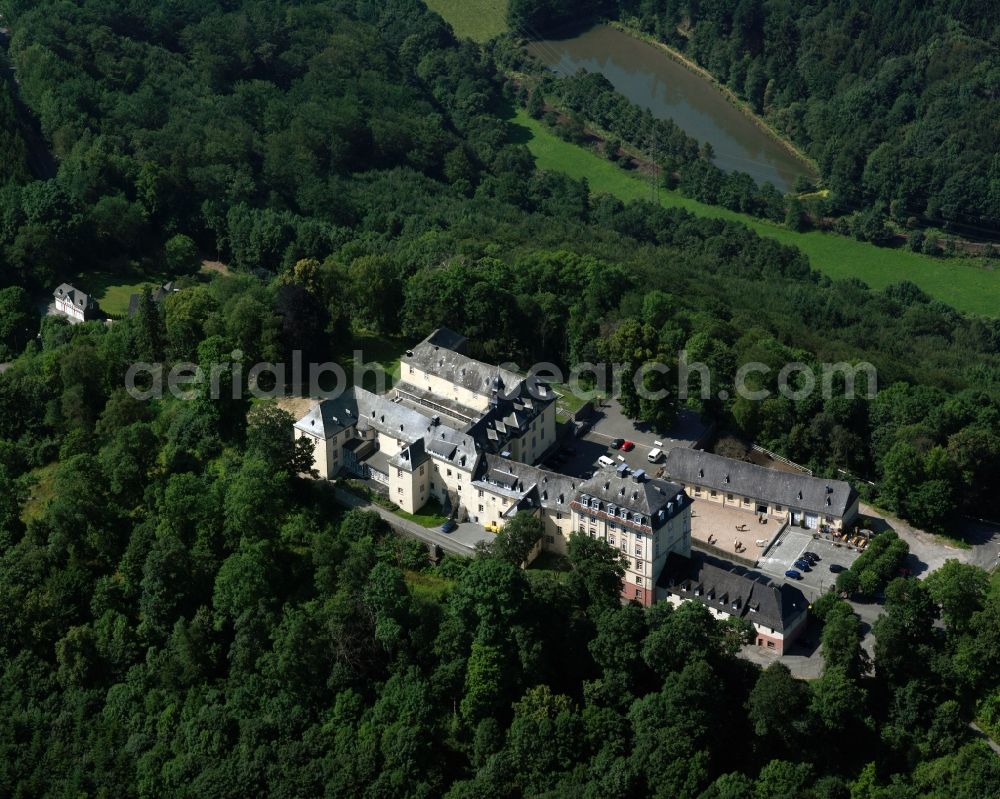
(789, 548)
(579, 455)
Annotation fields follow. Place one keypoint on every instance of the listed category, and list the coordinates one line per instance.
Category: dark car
(616, 443)
(793, 574)
(812, 557)
(805, 565)
(836, 568)
(448, 526)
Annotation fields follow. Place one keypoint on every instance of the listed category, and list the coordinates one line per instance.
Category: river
(650, 78)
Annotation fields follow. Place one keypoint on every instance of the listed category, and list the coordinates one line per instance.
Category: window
(551, 539)
(558, 515)
(399, 472)
(729, 497)
(432, 485)
(480, 508)
(399, 490)
(480, 493)
(638, 581)
(421, 469)
(449, 472)
(770, 644)
(611, 540)
(638, 593)
(713, 493)
(638, 549)
(624, 547)
(638, 565)
(582, 528)
(613, 526)
(777, 508)
(460, 477)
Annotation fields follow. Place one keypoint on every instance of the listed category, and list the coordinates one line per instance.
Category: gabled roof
(524, 482)
(757, 600)
(790, 489)
(78, 298)
(458, 368)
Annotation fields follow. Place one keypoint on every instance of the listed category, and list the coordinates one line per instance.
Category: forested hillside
(182, 615)
(896, 102)
(13, 155)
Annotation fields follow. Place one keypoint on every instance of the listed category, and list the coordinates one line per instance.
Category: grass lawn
(963, 283)
(430, 515)
(113, 289)
(380, 350)
(475, 19)
(41, 493)
(428, 586)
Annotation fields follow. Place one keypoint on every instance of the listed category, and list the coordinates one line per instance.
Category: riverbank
(741, 105)
(964, 284)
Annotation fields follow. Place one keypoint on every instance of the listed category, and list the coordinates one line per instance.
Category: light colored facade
(430, 435)
(73, 303)
(809, 502)
(646, 519)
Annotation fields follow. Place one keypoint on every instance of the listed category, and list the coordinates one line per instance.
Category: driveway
(928, 552)
(461, 541)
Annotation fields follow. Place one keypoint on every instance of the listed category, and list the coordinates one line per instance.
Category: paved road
(459, 542)
(929, 552)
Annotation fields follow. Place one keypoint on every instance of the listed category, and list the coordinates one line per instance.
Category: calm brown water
(653, 80)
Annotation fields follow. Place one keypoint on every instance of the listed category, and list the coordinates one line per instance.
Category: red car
(628, 446)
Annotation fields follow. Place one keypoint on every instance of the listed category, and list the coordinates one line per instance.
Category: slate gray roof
(789, 489)
(160, 293)
(364, 410)
(460, 369)
(410, 456)
(518, 480)
(758, 601)
(78, 298)
(618, 487)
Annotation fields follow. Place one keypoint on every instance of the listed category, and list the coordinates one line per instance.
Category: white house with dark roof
(73, 303)
(800, 498)
(778, 613)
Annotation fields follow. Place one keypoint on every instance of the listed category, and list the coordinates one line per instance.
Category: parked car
(836, 568)
(805, 565)
(812, 557)
(616, 443)
(628, 446)
(793, 574)
(448, 526)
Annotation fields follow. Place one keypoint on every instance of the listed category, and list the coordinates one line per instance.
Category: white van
(604, 460)
(655, 455)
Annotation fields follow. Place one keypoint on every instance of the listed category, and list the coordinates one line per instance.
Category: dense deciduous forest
(894, 101)
(182, 615)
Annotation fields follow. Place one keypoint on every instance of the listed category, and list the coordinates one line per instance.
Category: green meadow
(475, 19)
(965, 284)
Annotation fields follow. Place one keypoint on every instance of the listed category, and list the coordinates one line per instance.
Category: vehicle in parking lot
(812, 557)
(836, 568)
(802, 564)
(448, 526)
(793, 574)
(616, 443)
(628, 446)
(604, 460)
(655, 455)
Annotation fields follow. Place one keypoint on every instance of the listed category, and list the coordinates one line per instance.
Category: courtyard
(731, 530)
